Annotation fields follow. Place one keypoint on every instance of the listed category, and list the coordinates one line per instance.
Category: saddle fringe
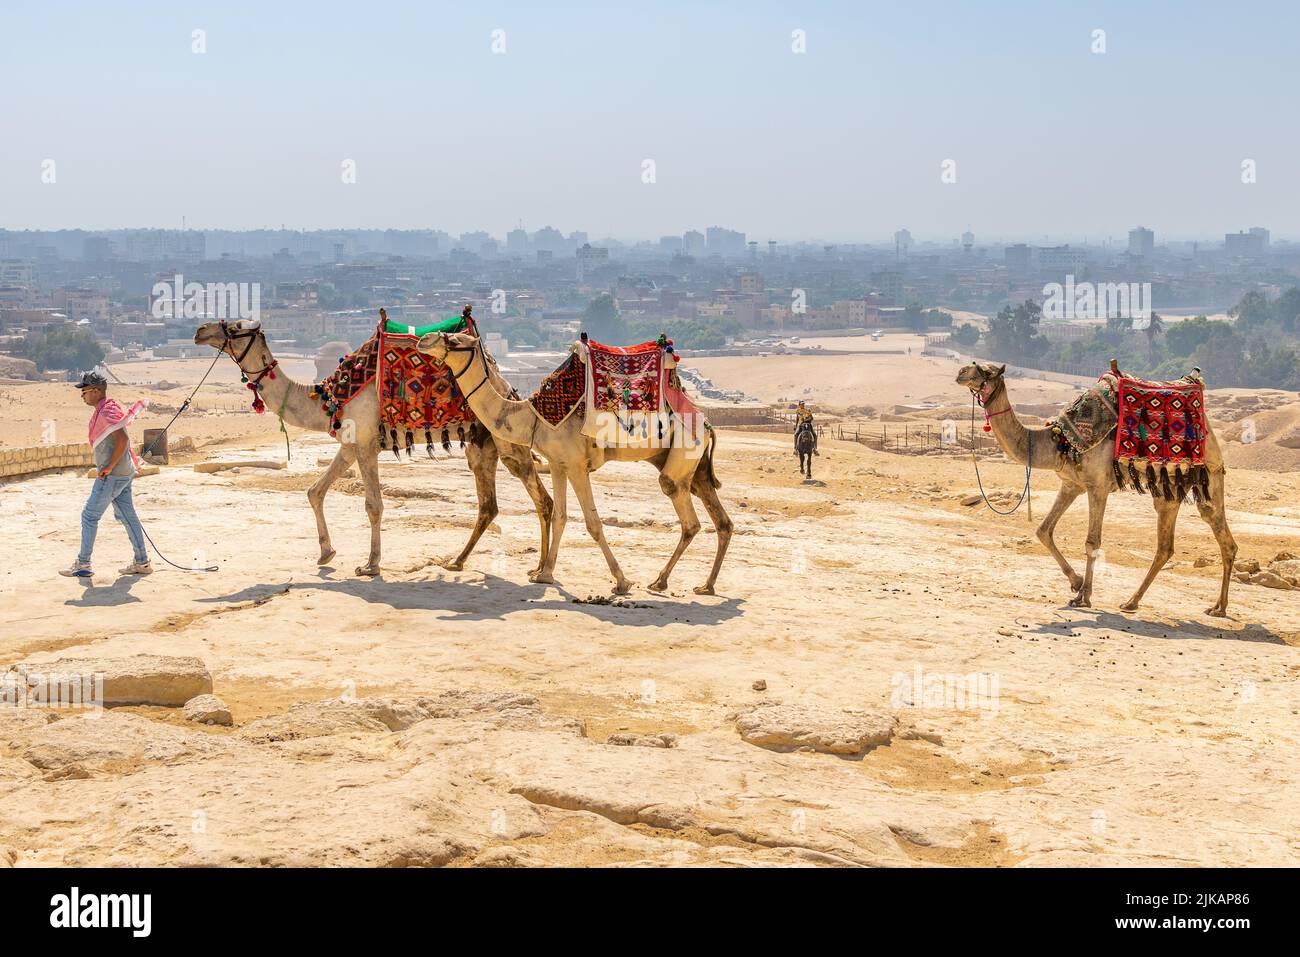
(1181, 486)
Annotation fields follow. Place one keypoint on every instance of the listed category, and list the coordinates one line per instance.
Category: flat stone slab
(164, 680)
(792, 727)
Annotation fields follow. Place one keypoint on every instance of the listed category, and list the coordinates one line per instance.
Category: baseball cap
(92, 380)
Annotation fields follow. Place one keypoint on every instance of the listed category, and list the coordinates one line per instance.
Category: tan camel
(1095, 475)
(572, 455)
(246, 344)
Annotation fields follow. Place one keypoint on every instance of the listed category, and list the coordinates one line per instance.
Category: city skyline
(475, 120)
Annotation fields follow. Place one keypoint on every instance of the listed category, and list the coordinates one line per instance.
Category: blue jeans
(116, 491)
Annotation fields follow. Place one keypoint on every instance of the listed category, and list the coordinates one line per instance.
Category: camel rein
(1025, 497)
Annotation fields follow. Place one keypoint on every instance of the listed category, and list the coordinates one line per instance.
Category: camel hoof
(1217, 612)
(1076, 583)
(325, 557)
(623, 587)
(367, 571)
(542, 579)
(1129, 606)
(704, 590)
(659, 584)
(453, 566)
(1079, 601)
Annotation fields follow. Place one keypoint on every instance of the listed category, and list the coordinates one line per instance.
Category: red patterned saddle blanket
(416, 393)
(1161, 435)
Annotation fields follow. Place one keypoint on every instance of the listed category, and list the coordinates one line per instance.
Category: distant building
(671, 245)
(724, 242)
(693, 243)
(1141, 242)
(1019, 259)
(751, 283)
(517, 242)
(889, 284)
(1062, 260)
(1251, 245)
(591, 258)
(850, 313)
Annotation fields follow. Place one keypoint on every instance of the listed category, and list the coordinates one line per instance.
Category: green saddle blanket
(454, 324)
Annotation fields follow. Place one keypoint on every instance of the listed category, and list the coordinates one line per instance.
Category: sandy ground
(1163, 737)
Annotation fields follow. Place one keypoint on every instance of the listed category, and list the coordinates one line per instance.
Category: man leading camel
(115, 466)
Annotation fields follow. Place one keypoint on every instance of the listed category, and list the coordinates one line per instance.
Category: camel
(572, 455)
(245, 342)
(1094, 474)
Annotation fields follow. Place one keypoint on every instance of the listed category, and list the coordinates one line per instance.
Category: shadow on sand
(118, 593)
(464, 600)
(1199, 630)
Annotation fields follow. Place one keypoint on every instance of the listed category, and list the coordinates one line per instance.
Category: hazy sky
(844, 142)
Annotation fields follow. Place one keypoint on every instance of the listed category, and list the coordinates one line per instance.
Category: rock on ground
(788, 727)
(139, 679)
(207, 708)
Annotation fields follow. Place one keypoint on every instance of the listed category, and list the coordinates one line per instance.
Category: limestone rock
(632, 739)
(110, 741)
(783, 727)
(139, 679)
(207, 708)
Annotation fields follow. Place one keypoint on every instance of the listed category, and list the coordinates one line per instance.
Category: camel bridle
(252, 379)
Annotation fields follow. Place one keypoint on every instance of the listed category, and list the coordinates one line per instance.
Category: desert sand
(886, 676)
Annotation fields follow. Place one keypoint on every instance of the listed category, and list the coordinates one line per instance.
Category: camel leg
(1215, 515)
(1065, 497)
(316, 496)
(708, 496)
(1096, 515)
(680, 494)
(524, 468)
(368, 463)
(559, 517)
(482, 461)
(581, 481)
(1166, 517)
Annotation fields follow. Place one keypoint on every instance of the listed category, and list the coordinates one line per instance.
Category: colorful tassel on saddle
(410, 443)
(1119, 475)
(397, 449)
(1137, 482)
(446, 440)
(460, 433)
(428, 443)
(1151, 481)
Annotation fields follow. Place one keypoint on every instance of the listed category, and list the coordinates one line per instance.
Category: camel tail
(708, 460)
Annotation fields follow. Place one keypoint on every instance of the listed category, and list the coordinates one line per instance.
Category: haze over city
(486, 117)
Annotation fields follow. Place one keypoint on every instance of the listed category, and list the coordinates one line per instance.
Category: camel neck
(292, 400)
(511, 419)
(1013, 437)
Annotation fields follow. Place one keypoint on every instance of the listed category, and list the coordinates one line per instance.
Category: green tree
(67, 348)
(1013, 332)
(601, 321)
(966, 335)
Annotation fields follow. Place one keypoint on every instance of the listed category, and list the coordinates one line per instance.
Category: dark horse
(805, 443)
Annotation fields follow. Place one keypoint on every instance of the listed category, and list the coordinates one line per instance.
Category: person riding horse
(804, 420)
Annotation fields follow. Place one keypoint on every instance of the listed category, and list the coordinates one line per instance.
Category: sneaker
(137, 568)
(78, 570)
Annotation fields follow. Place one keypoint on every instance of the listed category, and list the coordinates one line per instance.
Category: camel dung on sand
(684, 469)
(245, 342)
(1095, 473)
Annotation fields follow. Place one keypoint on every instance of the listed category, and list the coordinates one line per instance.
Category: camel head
(440, 344)
(982, 378)
(244, 341)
